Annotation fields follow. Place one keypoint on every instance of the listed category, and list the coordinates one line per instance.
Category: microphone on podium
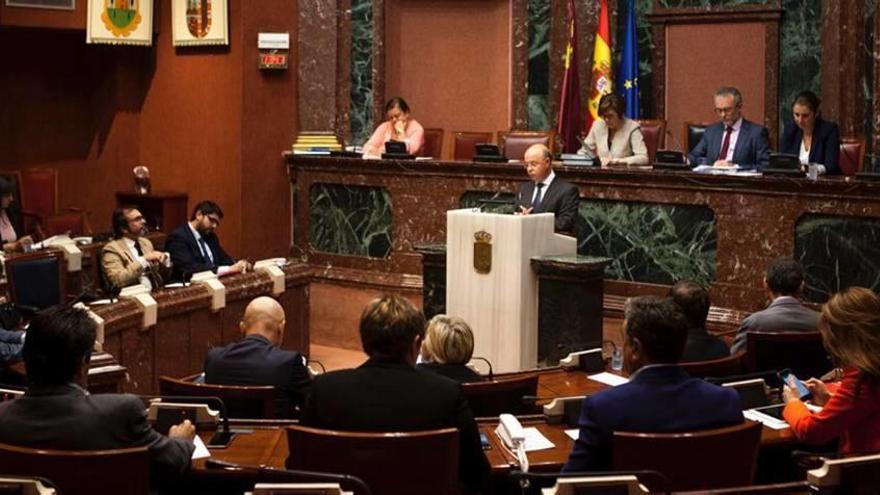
(488, 363)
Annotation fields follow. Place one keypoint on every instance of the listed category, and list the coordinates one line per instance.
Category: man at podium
(546, 193)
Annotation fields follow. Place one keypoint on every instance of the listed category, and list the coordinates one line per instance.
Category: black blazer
(187, 257)
(458, 372)
(64, 417)
(701, 346)
(393, 396)
(825, 148)
(255, 361)
(561, 198)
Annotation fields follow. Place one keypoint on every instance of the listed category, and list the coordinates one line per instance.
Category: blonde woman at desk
(615, 140)
(398, 126)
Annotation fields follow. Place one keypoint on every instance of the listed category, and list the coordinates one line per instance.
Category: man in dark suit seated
(387, 393)
(659, 398)
(257, 359)
(734, 140)
(694, 302)
(784, 282)
(546, 193)
(194, 247)
(57, 412)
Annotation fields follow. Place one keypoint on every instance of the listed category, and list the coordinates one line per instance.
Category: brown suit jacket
(122, 269)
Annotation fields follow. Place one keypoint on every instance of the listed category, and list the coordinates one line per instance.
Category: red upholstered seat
(654, 132)
(465, 141)
(515, 143)
(852, 155)
(433, 146)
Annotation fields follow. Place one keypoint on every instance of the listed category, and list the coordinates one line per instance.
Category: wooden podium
(490, 282)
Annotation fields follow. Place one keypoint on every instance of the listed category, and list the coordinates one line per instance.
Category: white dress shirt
(543, 190)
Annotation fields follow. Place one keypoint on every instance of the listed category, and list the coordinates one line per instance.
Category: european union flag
(628, 73)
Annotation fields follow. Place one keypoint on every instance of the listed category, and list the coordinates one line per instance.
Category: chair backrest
(493, 397)
(18, 485)
(37, 280)
(77, 472)
(75, 222)
(725, 366)
(654, 132)
(693, 132)
(515, 143)
(802, 352)
(39, 191)
(852, 155)
(464, 143)
(424, 462)
(252, 402)
(433, 146)
(682, 457)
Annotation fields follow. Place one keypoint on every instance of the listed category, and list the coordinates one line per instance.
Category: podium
(490, 282)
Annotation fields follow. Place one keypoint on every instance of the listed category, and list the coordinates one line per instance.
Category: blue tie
(537, 201)
(206, 251)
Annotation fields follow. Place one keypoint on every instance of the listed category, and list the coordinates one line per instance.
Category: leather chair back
(725, 366)
(400, 463)
(464, 142)
(654, 132)
(490, 398)
(433, 146)
(37, 280)
(693, 132)
(802, 352)
(515, 143)
(682, 457)
(252, 402)
(852, 156)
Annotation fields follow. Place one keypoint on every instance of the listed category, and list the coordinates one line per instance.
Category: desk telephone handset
(511, 433)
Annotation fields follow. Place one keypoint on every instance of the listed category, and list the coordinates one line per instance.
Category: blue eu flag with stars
(628, 72)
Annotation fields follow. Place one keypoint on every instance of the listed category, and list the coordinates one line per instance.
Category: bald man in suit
(546, 193)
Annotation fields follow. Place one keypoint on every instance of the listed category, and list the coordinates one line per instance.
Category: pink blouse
(414, 137)
(7, 231)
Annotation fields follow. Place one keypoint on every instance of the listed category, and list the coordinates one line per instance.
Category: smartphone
(484, 441)
(792, 381)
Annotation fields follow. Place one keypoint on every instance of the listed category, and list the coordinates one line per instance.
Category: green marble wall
(837, 252)
(652, 243)
(800, 54)
(539, 65)
(361, 71)
(352, 220)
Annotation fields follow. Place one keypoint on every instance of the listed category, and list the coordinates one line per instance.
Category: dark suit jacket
(560, 198)
(458, 372)
(785, 314)
(186, 254)
(392, 396)
(656, 400)
(64, 417)
(701, 346)
(825, 148)
(752, 146)
(255, 361)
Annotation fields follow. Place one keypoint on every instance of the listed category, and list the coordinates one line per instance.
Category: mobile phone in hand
(792, 381)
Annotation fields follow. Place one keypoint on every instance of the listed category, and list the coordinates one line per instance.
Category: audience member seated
(784, 282)
(57, 412)
(399, 126)
(659, 397)
(810, 137)
(10, 220)
(194, 247)
(734, 140)
(131, 259)
(545, 192)
(850, 327)
(694, 302)
(387, 393)
(11, 344)
(447, 348)
(257, 359)
(615, 139)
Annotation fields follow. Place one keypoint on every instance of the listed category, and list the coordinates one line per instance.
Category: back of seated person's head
(850, 327)
(693, 300)
(392, 328)
(656, 331)
(58, 346)
(784, 277)
(264, 316)
(448, 340)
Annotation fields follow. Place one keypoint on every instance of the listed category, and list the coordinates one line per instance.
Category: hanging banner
(120, 22)
(199, 22)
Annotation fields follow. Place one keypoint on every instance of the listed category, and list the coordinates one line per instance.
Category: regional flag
(569, 121)
(628, 72)
(601, 76)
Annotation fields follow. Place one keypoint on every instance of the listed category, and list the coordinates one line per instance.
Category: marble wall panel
(539, 65)
(867, 90)
(800, 54)
(837, 252)
(353, 220)
(361, 70)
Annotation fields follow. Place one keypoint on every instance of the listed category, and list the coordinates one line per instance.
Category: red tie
(726, 144)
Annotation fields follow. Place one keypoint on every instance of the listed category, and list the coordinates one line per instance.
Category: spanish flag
(600, 83)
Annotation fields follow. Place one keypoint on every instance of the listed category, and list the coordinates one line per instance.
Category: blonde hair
(850, 327)
(448, 340)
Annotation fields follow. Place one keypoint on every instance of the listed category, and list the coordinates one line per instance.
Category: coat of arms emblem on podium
(482, 252)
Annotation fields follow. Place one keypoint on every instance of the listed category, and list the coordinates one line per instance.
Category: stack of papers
(609, 378)
(535, 440)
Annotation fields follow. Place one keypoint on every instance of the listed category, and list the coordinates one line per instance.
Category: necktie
(206, 251)
(537, 201)
(137, 248)
(726, 144)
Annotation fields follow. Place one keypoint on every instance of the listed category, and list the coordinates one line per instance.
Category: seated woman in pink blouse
(398, 126)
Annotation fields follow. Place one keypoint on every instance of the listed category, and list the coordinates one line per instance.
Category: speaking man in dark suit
(546, 193)
(659, 397)
(258, 360)
(194, 246)
(734, 140)
(387, 393)
(57, 412)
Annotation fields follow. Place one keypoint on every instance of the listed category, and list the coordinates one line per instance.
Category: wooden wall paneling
(205, 332)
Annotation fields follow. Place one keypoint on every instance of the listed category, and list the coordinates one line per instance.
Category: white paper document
(535, 440)
(201, 451)
(768, 421)
(609, 378)
(573, 433)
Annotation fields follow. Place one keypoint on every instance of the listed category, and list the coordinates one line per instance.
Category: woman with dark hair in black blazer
(810, 137)
(10, 219)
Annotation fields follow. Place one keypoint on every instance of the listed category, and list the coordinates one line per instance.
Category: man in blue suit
(734, 140)
(660, 397)
(194, 247)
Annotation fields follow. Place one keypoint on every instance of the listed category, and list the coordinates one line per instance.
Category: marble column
(378, 67)
(843, 64)
(316, 50)
(433, 278)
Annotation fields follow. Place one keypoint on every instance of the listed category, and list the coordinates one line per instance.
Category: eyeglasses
(214, 220)
(723, 111)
